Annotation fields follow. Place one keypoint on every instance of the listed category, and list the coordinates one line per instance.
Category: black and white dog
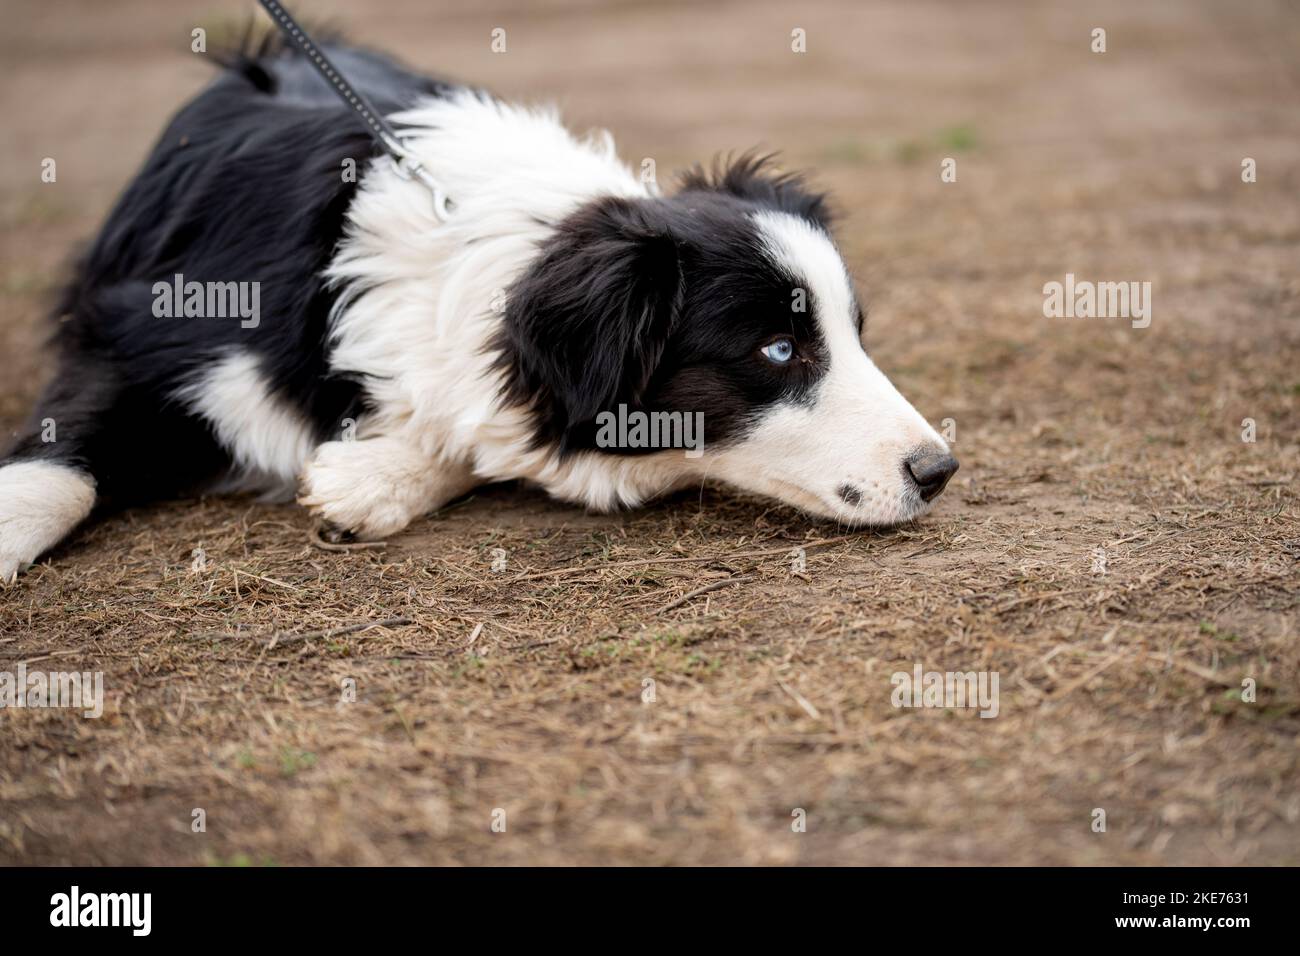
(382, 363)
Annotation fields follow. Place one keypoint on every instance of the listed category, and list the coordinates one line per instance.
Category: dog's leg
(375, 487)
(47, 483)
(41, 501)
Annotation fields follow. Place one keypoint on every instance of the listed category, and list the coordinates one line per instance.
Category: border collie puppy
(254, 317)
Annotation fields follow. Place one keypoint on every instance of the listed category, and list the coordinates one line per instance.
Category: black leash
(408, 165)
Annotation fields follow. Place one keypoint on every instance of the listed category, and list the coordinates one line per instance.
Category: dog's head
(728, 301)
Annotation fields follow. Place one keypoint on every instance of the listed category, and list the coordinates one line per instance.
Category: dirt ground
(1111, 547)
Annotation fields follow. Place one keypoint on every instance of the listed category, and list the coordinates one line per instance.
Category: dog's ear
(586, 325)
(754, 176)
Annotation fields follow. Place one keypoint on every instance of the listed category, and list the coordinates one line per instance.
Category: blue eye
(781, 351)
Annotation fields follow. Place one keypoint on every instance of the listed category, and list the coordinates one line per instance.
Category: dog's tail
(250, 49)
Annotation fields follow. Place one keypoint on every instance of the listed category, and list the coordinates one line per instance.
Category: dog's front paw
(352, 488)
(375, 487)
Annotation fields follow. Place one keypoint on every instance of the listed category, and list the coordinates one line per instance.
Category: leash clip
(409, 167)
(407, 164)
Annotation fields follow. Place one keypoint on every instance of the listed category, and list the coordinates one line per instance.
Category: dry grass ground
(522, 688)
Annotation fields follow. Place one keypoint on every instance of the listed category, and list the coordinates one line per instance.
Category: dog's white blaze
(40, 502)
(857, 429)
(268, 440)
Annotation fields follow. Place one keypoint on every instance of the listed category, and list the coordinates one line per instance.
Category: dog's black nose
(931, 472)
